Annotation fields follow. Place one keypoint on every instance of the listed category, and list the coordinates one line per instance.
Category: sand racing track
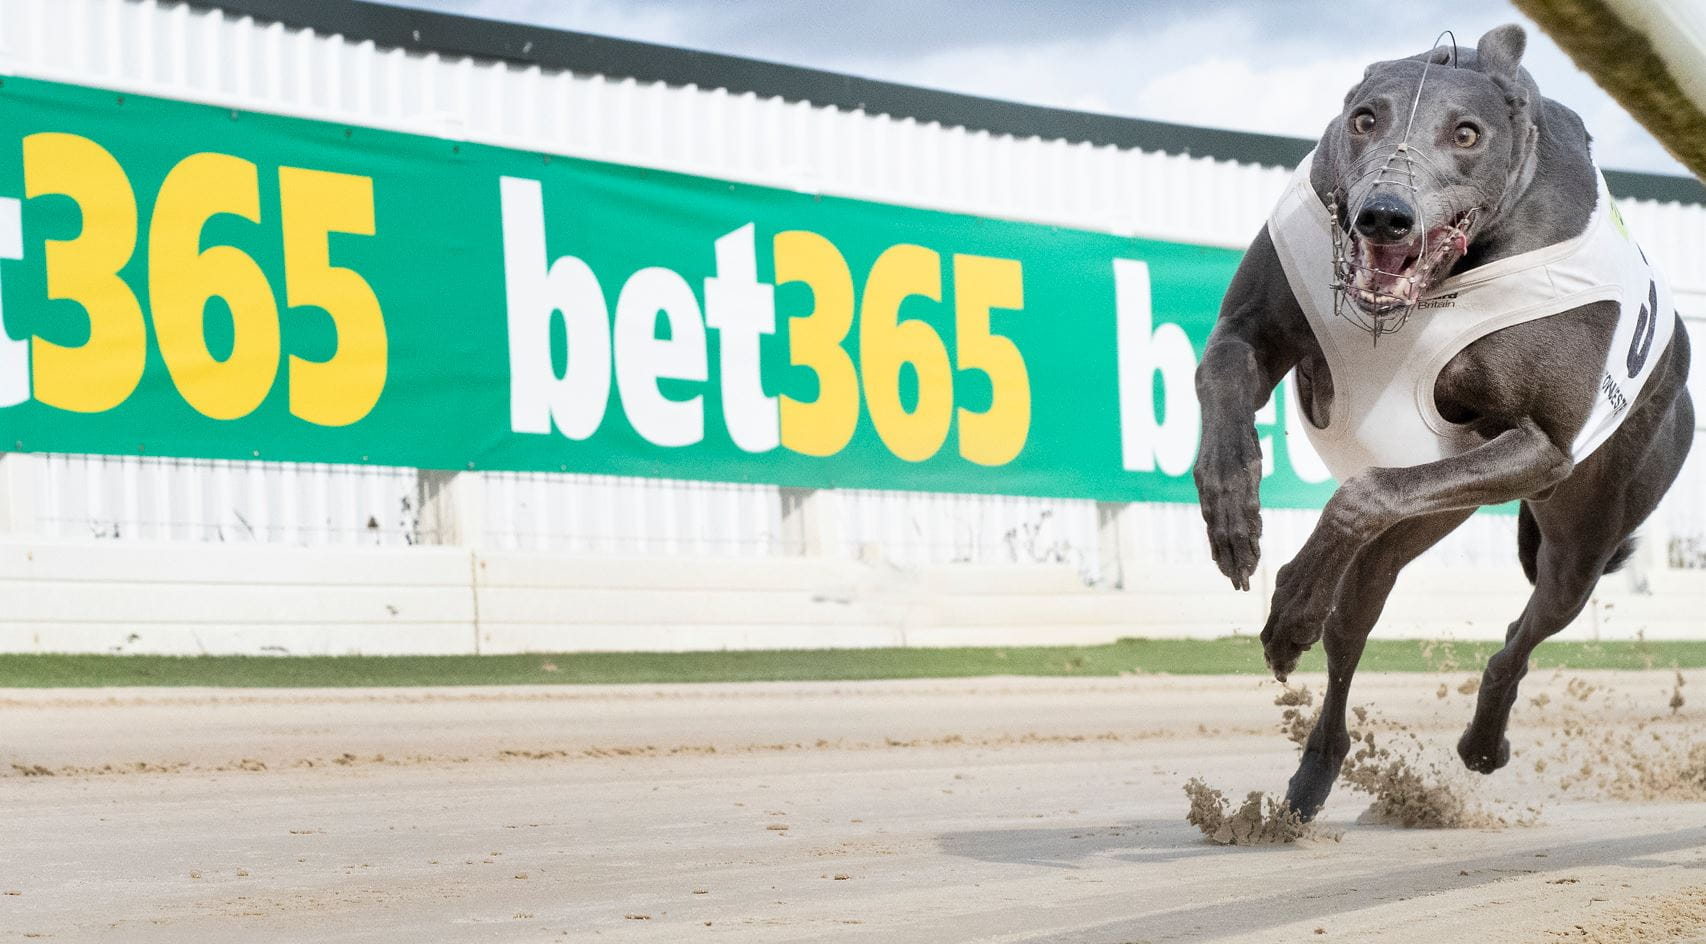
(936, 811)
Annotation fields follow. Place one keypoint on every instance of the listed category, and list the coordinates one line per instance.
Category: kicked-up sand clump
(1407, 790)
(1580, 688)
(1655, 758)
(1297, 720)
(1387, 761)
(1260, 820)
(1440, 655)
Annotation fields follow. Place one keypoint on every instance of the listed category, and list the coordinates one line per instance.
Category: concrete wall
(200, 598)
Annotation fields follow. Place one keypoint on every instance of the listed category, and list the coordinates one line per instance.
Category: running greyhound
(1471, 324)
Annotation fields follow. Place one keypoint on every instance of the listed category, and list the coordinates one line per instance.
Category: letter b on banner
(1144, 351)
(537, 288)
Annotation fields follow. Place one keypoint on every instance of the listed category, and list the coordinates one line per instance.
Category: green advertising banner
(186, 280)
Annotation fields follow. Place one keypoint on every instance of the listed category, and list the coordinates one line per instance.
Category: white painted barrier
(189, 599)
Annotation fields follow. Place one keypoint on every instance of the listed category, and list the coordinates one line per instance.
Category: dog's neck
(1557, 201)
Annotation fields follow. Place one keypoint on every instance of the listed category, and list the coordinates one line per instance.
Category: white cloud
(1295, 99)
(1249, 65)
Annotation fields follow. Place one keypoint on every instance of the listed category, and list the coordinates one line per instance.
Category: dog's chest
(1383, 411)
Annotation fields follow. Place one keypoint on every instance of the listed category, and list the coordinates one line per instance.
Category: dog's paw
(1297, 616)
(1481, 754)
(1282, 652)
(1231, 508)
(1236, 550)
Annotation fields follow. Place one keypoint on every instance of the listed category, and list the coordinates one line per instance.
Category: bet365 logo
(104, 367)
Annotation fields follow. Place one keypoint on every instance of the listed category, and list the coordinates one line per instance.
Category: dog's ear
(1499, 57)
(1500, 51)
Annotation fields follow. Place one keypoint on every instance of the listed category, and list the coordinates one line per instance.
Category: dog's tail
(1528, 545)
(1619, 556)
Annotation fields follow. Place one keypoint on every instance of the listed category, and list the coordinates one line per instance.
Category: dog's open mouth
(1385, 277)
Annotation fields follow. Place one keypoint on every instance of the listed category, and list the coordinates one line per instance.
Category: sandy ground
(978, 810)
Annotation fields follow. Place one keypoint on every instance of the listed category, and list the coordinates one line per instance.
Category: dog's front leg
(1228, 470)
(1260, 335)
(1517, 463)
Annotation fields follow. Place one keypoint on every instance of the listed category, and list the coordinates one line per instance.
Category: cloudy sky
(1278, 66)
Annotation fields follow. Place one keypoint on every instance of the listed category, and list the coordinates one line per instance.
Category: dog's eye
(1362, 122)
(1466, 135)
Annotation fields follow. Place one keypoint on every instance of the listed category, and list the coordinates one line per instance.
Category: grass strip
(1231, 655)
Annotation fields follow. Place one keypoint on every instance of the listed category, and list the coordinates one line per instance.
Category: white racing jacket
(1383, 411)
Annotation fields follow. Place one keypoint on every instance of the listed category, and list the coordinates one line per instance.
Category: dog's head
(1427, 154)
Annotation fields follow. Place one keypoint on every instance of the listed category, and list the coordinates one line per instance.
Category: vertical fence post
(812, 522)
(453, 510)
(1115, 537)
(452, 507)
(20, 478)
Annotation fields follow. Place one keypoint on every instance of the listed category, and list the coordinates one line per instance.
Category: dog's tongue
(1388, 257)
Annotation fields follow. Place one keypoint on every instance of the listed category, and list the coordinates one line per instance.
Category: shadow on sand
(1162, 841)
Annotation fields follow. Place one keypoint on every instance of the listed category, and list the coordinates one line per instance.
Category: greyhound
(1470, 325)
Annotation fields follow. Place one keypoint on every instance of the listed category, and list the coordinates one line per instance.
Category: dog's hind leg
(1584, 529)
(1566, 572)
(1362, 595)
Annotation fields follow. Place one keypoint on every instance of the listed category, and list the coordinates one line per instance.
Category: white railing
(603, 514)
(138, 498)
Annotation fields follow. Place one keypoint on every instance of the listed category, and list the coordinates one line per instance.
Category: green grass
(1169, 656)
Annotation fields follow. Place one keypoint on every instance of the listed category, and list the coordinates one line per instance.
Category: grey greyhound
(1443, 170)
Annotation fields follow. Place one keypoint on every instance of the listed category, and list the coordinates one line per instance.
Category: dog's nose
(1385, 219)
